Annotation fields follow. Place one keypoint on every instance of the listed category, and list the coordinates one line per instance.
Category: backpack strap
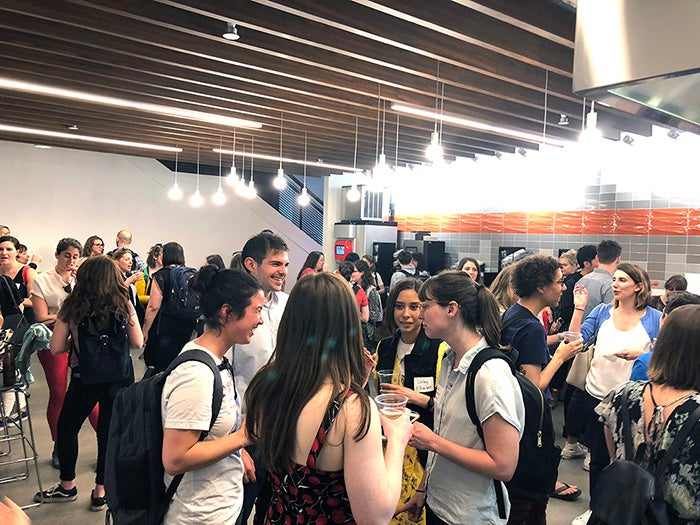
(202, 357)
(479, 359)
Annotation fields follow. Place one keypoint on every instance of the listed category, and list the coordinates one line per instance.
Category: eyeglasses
(68, 288)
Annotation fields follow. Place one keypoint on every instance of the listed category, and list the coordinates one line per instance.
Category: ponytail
(489, 316)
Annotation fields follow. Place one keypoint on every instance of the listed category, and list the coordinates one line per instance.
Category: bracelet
(579, 309)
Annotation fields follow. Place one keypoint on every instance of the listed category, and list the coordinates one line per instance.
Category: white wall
(52, 193)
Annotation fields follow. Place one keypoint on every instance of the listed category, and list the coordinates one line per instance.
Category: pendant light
(251, 192)
(381, 168)
(232, 179)
(196, 200)
(353, 194)
(434, 152)
(280, 181)
(303, 198)
(241, 187)
(219, 197)
(175, 193)
(590, 133)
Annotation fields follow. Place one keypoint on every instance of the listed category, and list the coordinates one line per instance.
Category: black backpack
(182, 302)
(628, 494)
(103, 355)
(538, 461)
(136, 493)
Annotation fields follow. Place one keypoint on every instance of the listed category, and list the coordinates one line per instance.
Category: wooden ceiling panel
(320, 64)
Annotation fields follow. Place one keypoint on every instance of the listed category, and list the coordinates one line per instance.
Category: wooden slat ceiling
(320, 64)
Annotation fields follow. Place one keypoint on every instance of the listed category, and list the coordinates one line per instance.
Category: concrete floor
(78, 512)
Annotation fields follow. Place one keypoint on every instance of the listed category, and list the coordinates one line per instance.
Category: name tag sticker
(423, 384)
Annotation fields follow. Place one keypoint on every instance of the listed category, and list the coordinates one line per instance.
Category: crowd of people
(299, 438)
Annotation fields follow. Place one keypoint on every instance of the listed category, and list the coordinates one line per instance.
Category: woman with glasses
(458, 485)
(50, 289)
(93, 246)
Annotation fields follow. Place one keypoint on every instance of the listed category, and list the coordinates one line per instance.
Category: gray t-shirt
(455, 494)
(598, 283)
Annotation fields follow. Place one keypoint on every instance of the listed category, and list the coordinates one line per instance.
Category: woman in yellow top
(415, 360)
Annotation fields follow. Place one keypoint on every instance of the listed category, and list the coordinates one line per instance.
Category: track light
(498, 155)
(231, 32)
(563, 120)
(673, 134)
(522, 152)
(627, 139)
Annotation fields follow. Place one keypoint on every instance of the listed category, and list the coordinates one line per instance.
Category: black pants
(595, 440)
(77, 406)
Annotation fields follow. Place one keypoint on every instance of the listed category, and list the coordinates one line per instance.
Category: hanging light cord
(437, 94)
(396, 159)
(176, 159)
(221, 145)
(583, 115)
(544, 120)
(379, 114)
(281, 131)
(197, 166)
(252, 155)
(354, 159)
(305, 146)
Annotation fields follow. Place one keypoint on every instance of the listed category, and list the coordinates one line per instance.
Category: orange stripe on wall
(655, 221)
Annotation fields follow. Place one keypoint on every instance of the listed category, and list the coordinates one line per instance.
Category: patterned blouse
(681, 482)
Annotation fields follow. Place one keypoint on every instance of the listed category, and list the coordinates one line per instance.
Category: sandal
(566, 497)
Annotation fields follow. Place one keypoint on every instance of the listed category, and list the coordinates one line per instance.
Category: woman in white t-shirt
(211, 490)
(458, 484)
(623, 331)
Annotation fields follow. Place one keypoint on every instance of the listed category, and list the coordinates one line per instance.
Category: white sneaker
(573, 451)
(587, 462)
(582, 519)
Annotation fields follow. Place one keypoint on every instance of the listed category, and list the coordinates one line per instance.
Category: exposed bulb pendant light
(232, 179)
(251, 192)
(196, 200)
(381, 168)
(219, 197)
(303, 198)
(354, 194)
(434, 151)
(280, 181)
(591, 132)
(240, 188)
(175, 193)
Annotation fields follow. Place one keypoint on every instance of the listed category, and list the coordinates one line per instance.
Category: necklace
(657, 420)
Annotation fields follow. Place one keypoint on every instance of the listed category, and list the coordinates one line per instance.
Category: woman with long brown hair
(313, 422)
(99, 297)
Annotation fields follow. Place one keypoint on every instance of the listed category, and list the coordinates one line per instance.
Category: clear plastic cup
(571, 336)
(384, 376)
(391, 405)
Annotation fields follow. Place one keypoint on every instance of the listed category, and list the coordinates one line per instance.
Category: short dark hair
(260, 245)
(586, 253)
(533, 272)
(216, 260)
(404, 257)
(10, 238)
(608, 251)
(68, 242)
(676, 283)
(345, 269)
(678, 299)
(218, 287)
(352, 257)
(421, 265)
(173, 253)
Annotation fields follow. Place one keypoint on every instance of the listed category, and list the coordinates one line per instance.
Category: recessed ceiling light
(42, 146)
(231, 32)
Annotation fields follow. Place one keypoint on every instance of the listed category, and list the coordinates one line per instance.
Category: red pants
(56, 372)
